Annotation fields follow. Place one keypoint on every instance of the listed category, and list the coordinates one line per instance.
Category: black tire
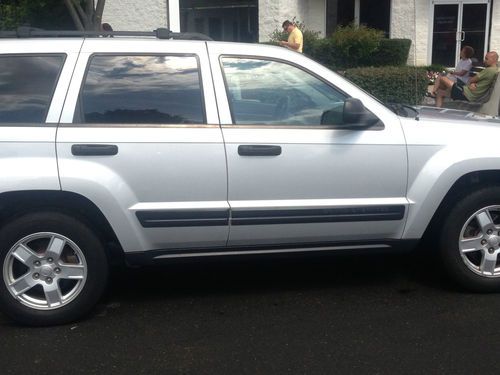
(79, 234)
(450, 251)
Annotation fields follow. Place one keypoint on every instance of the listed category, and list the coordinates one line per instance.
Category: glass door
(444, 34)
(456, 24)
(474, 28)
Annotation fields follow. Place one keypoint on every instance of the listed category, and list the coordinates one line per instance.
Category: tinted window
(26, 87)
(142, 90)
(270, 92)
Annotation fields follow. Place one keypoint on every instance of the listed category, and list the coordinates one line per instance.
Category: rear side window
(27, 84)
(142, 90)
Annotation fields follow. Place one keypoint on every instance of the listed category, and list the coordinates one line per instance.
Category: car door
(34, 79)
(139, 137)
(292, 180)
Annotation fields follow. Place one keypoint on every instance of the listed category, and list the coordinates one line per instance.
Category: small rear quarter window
(27, 83)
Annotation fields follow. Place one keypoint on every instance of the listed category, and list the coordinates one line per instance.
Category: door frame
(460, 4)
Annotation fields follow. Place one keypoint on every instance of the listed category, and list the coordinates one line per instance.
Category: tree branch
(99, 9)
(74, 15)
(89, 7)
(86, 19)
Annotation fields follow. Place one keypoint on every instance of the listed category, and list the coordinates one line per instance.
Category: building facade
(437, 28)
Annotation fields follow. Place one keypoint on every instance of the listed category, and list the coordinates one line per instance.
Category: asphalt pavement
(389, 314)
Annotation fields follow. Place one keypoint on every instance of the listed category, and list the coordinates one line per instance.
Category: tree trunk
(99, 9)
(74, 14)
(86, 17)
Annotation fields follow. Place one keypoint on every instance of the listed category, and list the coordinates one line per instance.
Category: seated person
(461, 71)
(477, 86)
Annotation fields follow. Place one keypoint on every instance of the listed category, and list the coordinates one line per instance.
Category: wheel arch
(16, 203)
(462, 187)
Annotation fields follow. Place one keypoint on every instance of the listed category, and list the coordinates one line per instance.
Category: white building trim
(173, 14)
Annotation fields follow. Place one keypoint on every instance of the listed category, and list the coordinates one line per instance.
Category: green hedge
(390, 52)
(354, 45)
(405, 85)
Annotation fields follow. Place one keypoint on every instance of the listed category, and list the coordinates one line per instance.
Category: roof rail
(160, 33)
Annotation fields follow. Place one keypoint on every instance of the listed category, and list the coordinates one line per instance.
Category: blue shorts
(457, 91)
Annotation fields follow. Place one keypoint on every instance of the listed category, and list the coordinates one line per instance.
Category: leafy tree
(14, 13)
(52, 14)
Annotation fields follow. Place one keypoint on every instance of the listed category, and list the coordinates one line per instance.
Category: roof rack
(160, 33)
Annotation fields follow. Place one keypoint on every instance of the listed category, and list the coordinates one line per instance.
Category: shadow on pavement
(281, 273)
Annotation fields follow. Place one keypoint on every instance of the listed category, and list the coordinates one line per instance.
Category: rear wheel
(470, 241)
(54, 268)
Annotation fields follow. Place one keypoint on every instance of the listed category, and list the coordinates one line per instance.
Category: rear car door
(293, 181)
(34, 79)
(139, 137)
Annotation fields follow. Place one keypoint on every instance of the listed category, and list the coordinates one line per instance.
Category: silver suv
(148, 149)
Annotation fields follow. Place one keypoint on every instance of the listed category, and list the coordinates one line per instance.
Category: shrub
(390, 52)
(324, 52)
(405, 85)
(353, 45)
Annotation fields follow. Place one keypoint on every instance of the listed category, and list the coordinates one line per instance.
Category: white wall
(410, 20)
(134, 15)
(495, 27)
(316, 18)
(272, 13)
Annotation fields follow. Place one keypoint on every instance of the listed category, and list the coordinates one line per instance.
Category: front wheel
(54, 268)
(470, 241)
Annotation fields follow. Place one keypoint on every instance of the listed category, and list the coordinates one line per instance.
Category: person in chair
(475, 89)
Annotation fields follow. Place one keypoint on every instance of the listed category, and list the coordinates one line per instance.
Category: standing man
(295, 37)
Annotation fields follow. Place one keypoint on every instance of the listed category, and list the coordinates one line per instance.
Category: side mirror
(356, 115)
(352, 114)
(354, 111)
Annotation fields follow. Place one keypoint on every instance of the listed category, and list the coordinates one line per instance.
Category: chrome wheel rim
(479, 242)
(45, 271)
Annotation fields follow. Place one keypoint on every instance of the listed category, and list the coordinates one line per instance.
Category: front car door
(293, 181)
(139, 137)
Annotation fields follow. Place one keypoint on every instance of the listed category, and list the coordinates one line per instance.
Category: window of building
(271, 92)
(27, 84)
(372, 13)
(142, 90)
(224, 20)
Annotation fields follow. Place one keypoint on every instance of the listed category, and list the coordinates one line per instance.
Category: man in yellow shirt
(295, 37)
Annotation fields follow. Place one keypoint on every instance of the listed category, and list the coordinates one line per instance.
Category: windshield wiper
(402, 109)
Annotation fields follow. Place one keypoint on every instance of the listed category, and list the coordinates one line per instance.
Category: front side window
(276, 93)
(27, 84)
(142, 90)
